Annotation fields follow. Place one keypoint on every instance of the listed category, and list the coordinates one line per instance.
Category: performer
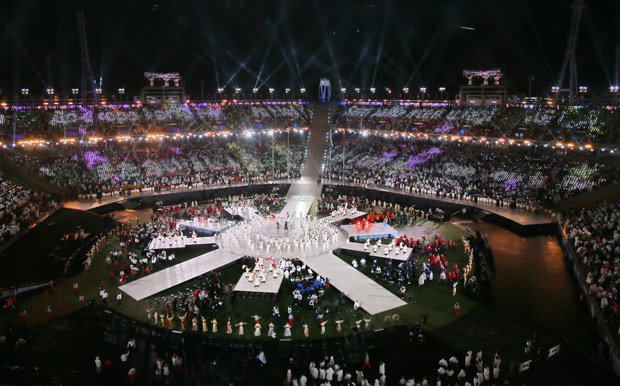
(228, 327)
(287, 330)
(205, 328)
(339, 326)
(306, 330)
(257, 329)
(323, 323)
(366, 324)
(213, 325)
(240, 325)
(194, 324)
(271, 331)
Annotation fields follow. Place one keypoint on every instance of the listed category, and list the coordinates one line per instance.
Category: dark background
(291, 43)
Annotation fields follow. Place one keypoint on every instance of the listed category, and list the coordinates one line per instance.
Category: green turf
(434, 299)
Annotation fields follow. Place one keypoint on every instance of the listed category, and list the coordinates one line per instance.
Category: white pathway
(178, 274)
(355, 285)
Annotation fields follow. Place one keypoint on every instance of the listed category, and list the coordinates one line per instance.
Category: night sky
(291, 43)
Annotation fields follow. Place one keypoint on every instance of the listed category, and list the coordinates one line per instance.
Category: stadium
(309, 193)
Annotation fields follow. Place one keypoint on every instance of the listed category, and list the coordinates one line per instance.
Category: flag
(525, 366)
(554, 351)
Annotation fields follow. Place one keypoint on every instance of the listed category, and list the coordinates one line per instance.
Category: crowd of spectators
(127, 119)
(544, 123)
(474, 369)
(520, 177)
(20, 207)
(594, 233)
(122, 167)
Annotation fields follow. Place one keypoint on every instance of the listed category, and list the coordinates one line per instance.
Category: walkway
(373, 298)
(179, 274)
(302, 193)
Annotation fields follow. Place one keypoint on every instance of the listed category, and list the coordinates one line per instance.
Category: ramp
(303, 192)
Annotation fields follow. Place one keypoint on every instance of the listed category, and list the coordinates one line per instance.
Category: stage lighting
(271, 90)
(357, 90)
(614, 89)
(49, 91)
(98, 90)
(422, 89)
(303, 90)
(583, 89)
(555, 89)
(343, 90)
(75, 91)
(442, 89)
(405, 89)
(25, 91)
(237, 90)
(287, 90)
(372, 90)
(121, 91)
(220, 89)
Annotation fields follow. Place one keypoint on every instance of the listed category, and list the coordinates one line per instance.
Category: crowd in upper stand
(112, 120)
(20, 207)
(524, 177)
(545, 123)
(594, 233)
(117, 167)
(596, 124)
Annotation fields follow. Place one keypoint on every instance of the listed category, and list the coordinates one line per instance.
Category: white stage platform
(271, 285)
(204, 226)
(179, 242)
(357, 247)
(341, 217)
(248, 213)
(373, 298)
(371, 231)
(296, 206)
(178, 274)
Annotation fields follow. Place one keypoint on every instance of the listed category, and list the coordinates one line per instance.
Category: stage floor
(341, 217)
(357, 247)
(178, 274)
(371, 231)
(373, 298)
(179, 242)
(271, 285)
(210, 227)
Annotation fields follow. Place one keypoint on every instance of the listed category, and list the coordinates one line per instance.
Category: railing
(591, 303)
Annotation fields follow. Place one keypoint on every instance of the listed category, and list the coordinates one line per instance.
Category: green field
(433, 299)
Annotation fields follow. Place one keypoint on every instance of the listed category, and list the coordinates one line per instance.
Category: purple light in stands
(418, 159)
(389, 155)
(511, 184)
(444, 128)
(175, 150)
(93, 158)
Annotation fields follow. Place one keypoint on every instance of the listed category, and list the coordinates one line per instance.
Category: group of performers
(197, 323)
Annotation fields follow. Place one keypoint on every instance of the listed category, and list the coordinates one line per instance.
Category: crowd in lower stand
(20, 208)
(473, 370)
(594, 233)
(108, 168)
(518, 177)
